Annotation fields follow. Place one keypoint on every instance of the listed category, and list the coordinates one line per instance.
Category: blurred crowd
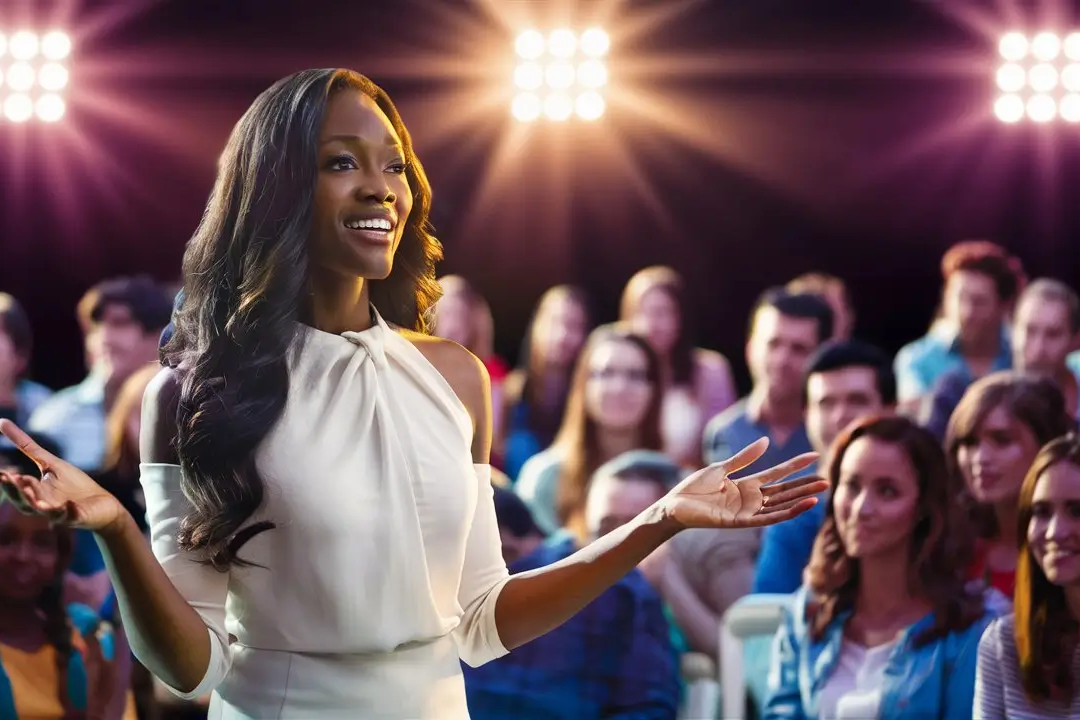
(939, 576)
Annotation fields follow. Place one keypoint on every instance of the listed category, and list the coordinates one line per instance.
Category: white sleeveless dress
(385, 564)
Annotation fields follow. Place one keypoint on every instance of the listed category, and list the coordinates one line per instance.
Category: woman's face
(618, 391)
(657, 319)
(996, 457)
(559, 331)
(362, 195)
(29, 552)
(876, 501)
(1054, 530)
(454, 319)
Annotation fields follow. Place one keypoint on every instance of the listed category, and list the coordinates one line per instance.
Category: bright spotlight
(34, 68)
(555, 72)
(1069, 109)
(18, 108)
(56, 45)
(558, 107)
(589, 105)
(1009, 108)
(595, 42)
(526, 107)
(49, 108)
(1036, 75)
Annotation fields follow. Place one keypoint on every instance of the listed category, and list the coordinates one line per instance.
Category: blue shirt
(936, 680)
(75, 418)
(612, 660)
(919, 364)
(732, 430)
(785, 549)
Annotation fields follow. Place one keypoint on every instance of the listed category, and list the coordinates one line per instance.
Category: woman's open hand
(711, 499)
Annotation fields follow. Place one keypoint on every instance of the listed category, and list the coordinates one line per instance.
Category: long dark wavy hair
(1046, 631)
(246, 284)
(941, 545)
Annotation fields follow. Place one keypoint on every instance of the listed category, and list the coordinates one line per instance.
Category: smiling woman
(315, 466)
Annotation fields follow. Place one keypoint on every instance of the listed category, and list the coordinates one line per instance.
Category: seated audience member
(846, 380)
(19, 397)
(992, 439)
(981, 282)
(1045, 329)
(835, 292)
(885, 626)
(785, 330)
(1029, 663)
(56, 660)
(696, 383)
(612, 660)
(534, 394)
(613, 407)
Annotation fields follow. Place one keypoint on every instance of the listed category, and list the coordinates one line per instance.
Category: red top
(1004, 581)
(497, 368)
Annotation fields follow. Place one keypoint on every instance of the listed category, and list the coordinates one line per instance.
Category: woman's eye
(342, 162)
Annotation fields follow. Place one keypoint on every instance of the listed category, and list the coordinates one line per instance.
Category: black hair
(807, 306)
(149, 302)
(513, 514)
(840, 354)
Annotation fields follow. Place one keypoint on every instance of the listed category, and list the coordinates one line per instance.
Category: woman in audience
(613, 406)
(992, 438)
(884, 626)
(534, 394)
(1029, 663)
(464, 316)
(55, 661)
(697, 383)
(19, 397)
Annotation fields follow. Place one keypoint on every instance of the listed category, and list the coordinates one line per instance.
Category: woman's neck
(613, 443)
(18, 619)
(339, 303)
(880, 597)
(1006, 514)
(1072, 598)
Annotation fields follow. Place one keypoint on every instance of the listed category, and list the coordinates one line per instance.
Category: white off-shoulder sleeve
(204, 588)
(482, 579)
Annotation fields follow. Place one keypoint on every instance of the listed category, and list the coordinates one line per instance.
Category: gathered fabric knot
(373, 342)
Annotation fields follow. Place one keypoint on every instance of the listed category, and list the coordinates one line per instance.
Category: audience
(1029, 663)
(884, 626)
(835, 292)
(19, 396)
(697, 383)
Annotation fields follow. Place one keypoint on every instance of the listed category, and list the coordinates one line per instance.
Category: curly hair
(246, 285)
(1045, 629)
(941, 547)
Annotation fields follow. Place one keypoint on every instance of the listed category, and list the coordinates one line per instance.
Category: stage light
(1036, 76)
(1069, 109)
(560, 75)
(33, 74)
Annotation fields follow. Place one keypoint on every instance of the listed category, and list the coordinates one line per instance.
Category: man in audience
(612, 660)
(1046, 328)
(125, 321)
(785, 330)
(844, 382)
(835, 292)
(981, 283)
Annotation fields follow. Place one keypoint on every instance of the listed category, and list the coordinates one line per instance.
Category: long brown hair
(1034, 401)
(58, 629)
(671, 284)
(941, 547)
(577, 437)
(1045, 629)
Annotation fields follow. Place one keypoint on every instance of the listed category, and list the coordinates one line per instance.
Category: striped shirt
(998, 691)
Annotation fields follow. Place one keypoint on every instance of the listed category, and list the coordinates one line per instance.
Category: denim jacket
(936, 680)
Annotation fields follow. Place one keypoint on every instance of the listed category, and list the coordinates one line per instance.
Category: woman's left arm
(525, 606)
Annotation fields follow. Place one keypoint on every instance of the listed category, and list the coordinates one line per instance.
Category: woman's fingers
(32, 495)
(26, 444)
(790, 510)
(746, 456)
(780, 471)
(794, 489)
(10, 488)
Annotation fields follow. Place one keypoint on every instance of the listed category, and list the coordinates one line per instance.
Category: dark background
(754, 139)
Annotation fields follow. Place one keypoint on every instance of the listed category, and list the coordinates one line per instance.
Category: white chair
(702, 700)
(753, 615)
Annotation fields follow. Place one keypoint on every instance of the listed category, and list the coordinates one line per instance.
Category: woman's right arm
(168, 600)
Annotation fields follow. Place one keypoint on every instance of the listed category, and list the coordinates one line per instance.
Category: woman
(613, 407)
(884, 626)
(1029, 663)
(992, 438)
(534, 394)
(55, 659)
(696, 383)
(316, 480)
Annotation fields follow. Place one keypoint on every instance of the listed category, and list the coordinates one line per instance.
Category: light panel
(1039, 78)
(34, 75)
(560, 75)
